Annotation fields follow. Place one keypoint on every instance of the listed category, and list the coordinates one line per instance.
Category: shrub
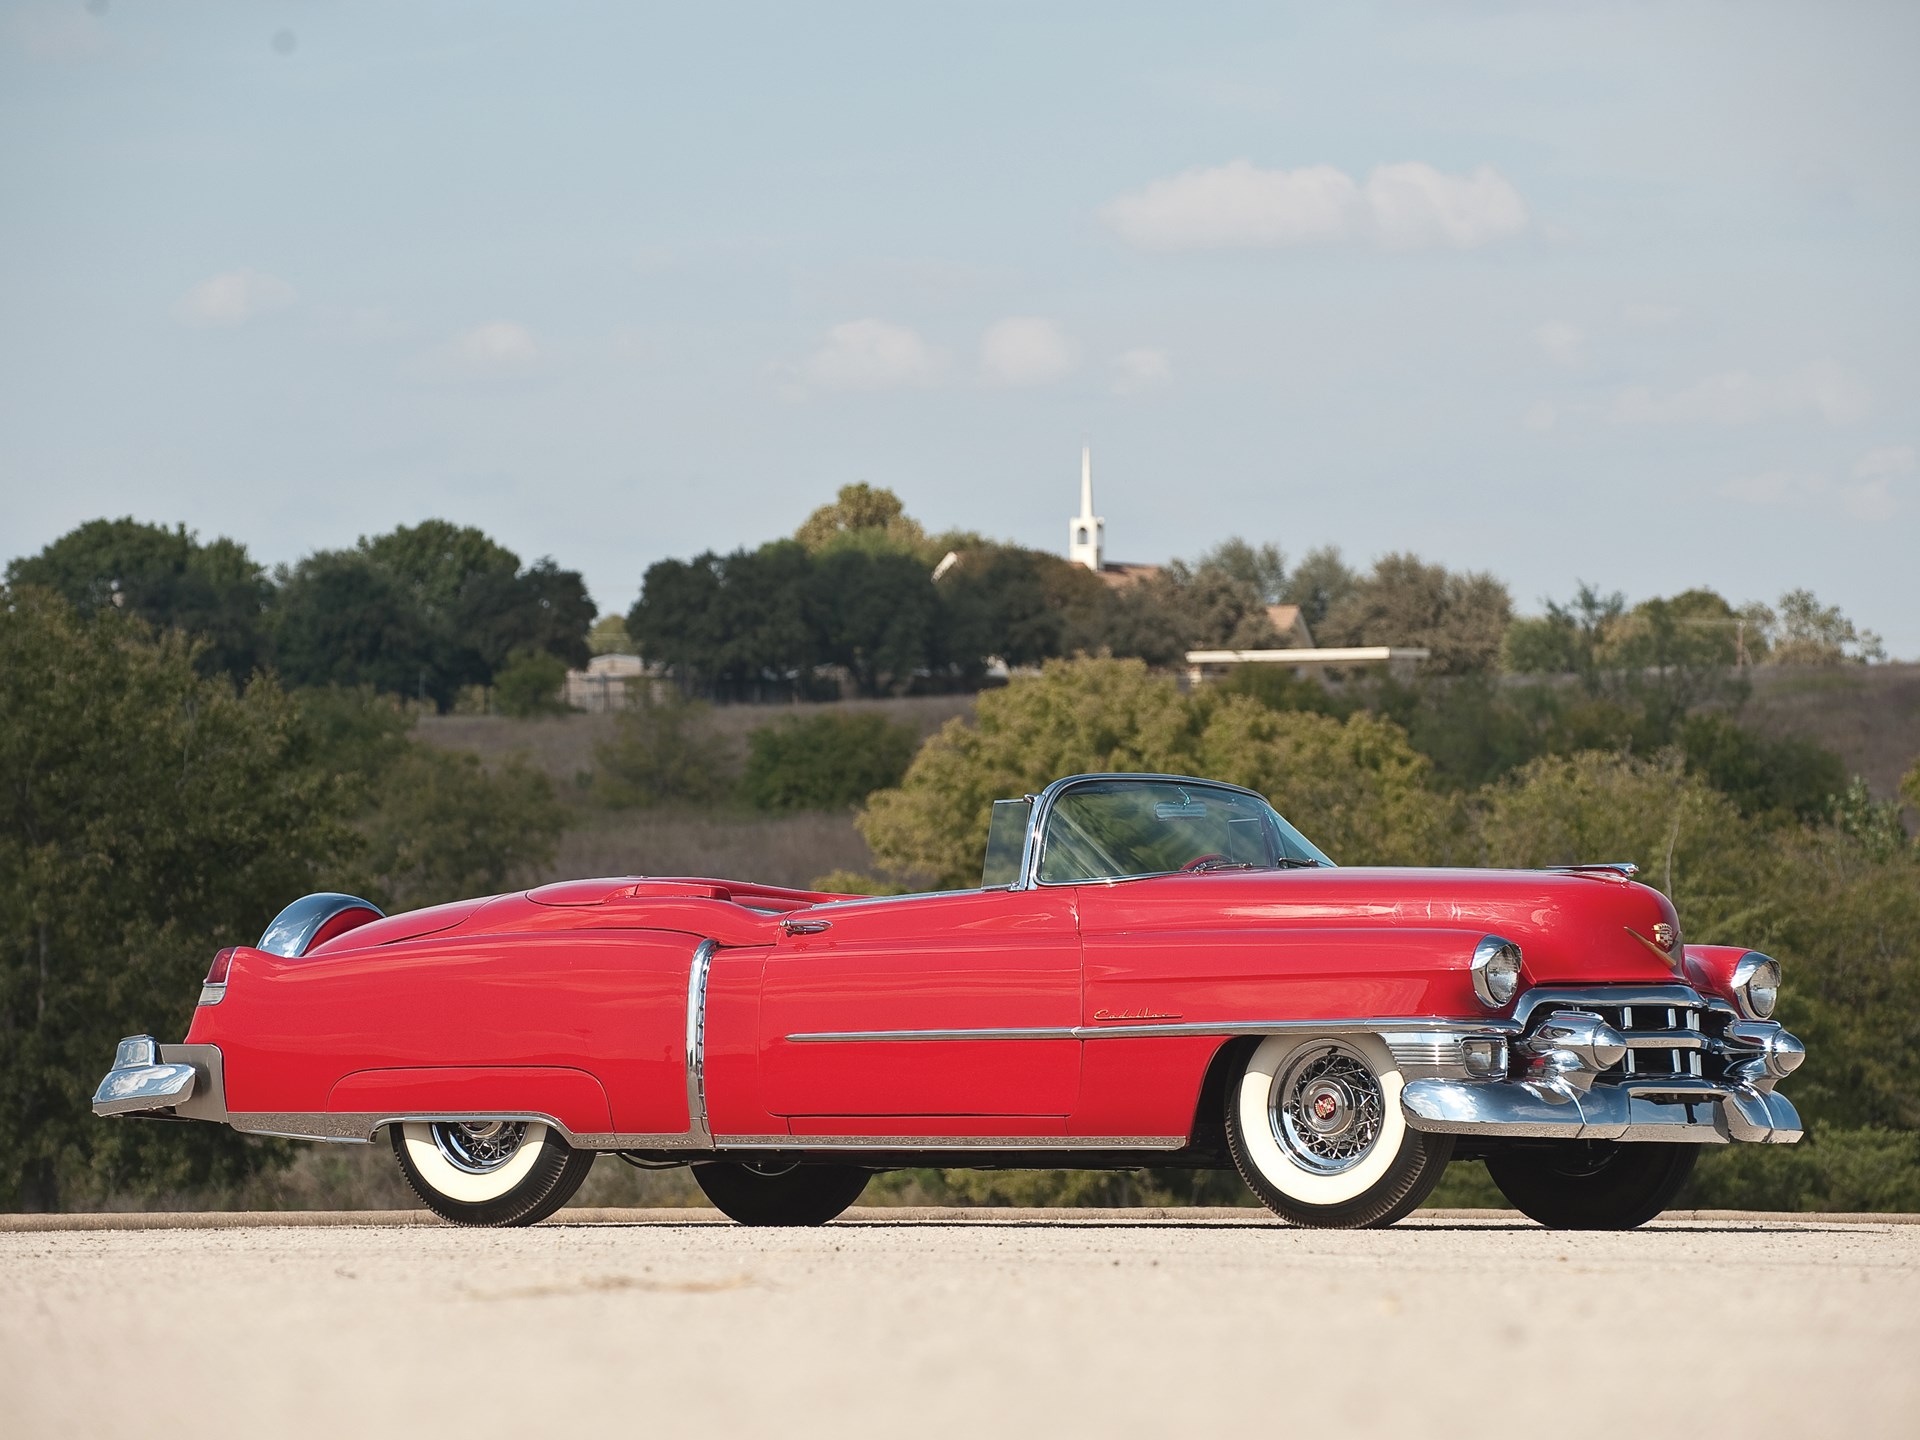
(825, 762)
(661, 751)
(529, 684)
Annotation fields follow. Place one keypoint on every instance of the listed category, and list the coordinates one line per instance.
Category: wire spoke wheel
(479, 1147)
(1327, 1109)
(1315, 1127)
(489, 1172)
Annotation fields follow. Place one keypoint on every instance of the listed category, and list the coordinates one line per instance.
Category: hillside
(1869, 716)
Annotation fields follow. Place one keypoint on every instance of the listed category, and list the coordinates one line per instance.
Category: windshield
(1122, 829)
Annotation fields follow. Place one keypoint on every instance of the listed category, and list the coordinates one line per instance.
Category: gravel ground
(945, 1323)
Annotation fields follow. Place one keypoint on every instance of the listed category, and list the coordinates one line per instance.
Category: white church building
(1087, 545)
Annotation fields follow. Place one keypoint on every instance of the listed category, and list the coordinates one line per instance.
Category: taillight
(214, 988)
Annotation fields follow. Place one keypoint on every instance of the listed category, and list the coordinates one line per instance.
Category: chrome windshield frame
(1030, 856)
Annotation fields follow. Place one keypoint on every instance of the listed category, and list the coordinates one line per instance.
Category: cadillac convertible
(1154, 971)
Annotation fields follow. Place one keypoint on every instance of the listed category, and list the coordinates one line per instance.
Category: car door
(902, 1016)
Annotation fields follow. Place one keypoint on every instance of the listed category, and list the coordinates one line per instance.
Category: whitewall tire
(489, 1172)
(1316, 1130)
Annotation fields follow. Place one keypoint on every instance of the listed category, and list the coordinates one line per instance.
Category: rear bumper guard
(1690, 1113)
(148, 1078)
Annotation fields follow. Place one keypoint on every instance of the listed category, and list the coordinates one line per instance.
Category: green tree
(1461, 617)
(609, 636)
(1784, 776)
(662, 751)
(148, 816)
(445, 827)
(734, 626)
(346, 620)
(1805, 632)
(1261, 568)
(1318, 583)
(213, 592)
(529, 684)
(865, 517)
(1354, 786)
(825, 762)
(877, 616)
(1019, 605)
(1688, 839)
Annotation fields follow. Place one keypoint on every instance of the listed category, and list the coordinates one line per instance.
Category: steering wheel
(1200, 862)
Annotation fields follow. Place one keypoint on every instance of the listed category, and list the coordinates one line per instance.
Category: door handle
(805, 927)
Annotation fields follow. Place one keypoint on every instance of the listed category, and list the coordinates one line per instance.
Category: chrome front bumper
(148, 1078)
(1692, 1113)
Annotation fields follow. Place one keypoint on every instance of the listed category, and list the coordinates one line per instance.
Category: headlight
(1496, 971)
(1756, 984)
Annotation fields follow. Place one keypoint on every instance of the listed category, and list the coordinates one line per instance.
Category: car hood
(1572, 928)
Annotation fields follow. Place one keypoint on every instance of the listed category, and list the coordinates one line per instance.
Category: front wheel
(789, 1194)
(1592, 1184)
(489, 1172)
(1315, 1129)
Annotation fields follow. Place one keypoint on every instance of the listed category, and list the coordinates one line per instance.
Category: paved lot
(935, 1326)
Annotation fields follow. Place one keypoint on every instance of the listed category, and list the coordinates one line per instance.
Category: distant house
(1291, 626)
(610, 682)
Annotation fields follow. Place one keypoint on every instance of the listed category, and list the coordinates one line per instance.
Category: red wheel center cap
(1324, 1106)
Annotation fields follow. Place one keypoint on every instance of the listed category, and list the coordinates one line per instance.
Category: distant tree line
(862, 591)
(421, 611)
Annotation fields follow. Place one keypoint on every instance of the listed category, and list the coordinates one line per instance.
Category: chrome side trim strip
(1011, 1032)
(359, 1127)
(950, 1142)
(698, 1136)
(1426, 1025)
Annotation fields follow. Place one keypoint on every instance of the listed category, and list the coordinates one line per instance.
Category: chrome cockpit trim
(1424, 1024)
(698, 1135)
(1029, 876)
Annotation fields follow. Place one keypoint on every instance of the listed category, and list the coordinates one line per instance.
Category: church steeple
(1086, 532)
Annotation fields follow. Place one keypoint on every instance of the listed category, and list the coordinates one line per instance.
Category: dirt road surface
(936, 1325)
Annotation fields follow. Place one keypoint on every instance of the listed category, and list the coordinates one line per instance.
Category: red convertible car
(1155, 971)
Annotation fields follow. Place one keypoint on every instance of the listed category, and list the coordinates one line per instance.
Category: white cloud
(1564, 344)
(1025, 350)
(1886, 463)
(224, 301)
(47, 33)
(1739, 397)
(1541, 417)
(1240, 205)
(1868, 493)
(1647, 315)
(496, 348)
(1140, 369)
(869, 355)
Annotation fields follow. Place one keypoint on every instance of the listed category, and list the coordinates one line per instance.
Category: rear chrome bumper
(1696, 1112)
(180, 1081)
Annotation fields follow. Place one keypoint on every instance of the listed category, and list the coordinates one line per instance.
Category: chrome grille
(1665, 1039)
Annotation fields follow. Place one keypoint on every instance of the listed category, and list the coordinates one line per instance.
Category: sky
(1619, 293)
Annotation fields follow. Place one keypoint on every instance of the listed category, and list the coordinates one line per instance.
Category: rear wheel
(1315, 1129)
(781, 1194)
(1592, 1184)
(489, 1172)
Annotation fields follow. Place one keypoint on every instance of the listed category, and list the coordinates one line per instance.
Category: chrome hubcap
(1327, 1109)
(479, 1146)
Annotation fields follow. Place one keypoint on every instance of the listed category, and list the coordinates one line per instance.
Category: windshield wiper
(1205, 865)
(1290, 862)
